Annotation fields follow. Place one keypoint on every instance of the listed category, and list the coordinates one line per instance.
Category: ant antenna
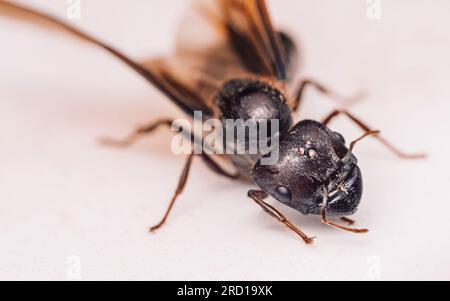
(348, 156)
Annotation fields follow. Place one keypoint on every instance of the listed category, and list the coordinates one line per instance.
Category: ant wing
(221, 40)
(250, 33)
(226, 39)
(185, 99)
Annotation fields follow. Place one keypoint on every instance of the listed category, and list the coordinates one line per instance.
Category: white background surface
(62, 195)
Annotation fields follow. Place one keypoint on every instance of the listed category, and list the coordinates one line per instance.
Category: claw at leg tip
(310, 240)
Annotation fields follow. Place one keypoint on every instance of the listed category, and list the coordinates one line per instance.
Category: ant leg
(321, 88)
(181, 184)
(347, 220)
(140, 132)
(334, 225)
(259, 196)
(149, 129)
(325, 220)
(136, 135)
(323, 213)
(366, 128)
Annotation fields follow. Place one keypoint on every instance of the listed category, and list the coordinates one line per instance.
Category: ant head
(315, 171)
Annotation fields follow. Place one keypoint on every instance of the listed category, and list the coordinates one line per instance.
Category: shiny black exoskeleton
(243, 76)
(313, 161)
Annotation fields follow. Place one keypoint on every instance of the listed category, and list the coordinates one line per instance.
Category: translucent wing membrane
(250, 30)
(173, 91)
(219, 40)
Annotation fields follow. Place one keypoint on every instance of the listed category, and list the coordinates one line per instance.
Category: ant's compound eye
(283, 194)
(339, 137)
